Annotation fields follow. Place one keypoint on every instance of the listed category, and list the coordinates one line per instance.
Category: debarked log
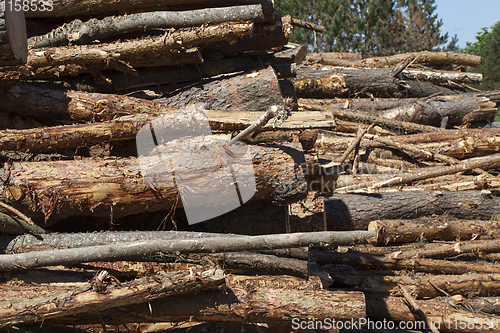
(78, 32)
(176, 48)
(423, 286)
(105, 292)
(407, 231)
(123, 186)
(343, 82)
(460, 109)
(13, 45)
(356, 210)
(245, 299)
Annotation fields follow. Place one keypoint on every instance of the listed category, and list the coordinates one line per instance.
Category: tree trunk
(430, 229)
(246, 300)
(460, 109)
(254, 91)
(356, 210)
(422, 286)
(90, 8)
(109, 293)
(13, 40)
(78, 32)
(318, 83)
(431, 266)
(100, 187)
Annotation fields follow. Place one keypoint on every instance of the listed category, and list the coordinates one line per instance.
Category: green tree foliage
(370, 27)
(487, 45)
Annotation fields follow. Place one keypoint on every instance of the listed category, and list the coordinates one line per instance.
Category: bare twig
(417, 311)
(261, 122)
(18, 213)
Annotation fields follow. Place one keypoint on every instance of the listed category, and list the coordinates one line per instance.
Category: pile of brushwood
(375, 195)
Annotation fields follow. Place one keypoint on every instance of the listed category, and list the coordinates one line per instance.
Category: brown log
(101, 294)
(96, 187)
(246, 300)
(355, 211)
(376, 262)
(415, 57)
(422, 286)
(88, 8)
(124, 56)
(318, 83)
(78, 32)
(254, 91)
(407, 231)
(451, 250)
(162, 76)
(460, 109)
(324, 57)
(13, 40)
(441, 314)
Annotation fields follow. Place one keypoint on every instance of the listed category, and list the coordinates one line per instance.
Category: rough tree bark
(355, 211)
(89, 8)
(318, 83)
(407, 231)
(78, 32)
(100, 187)
(13, 40)
(460, 109)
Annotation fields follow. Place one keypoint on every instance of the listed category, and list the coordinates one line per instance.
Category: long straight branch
(126, 251)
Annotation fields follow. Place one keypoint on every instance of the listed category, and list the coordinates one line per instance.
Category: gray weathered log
(126, 251)
(78, 32)
(356, 210)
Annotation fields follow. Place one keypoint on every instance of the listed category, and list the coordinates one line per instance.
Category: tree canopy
(369, 27)
(487, 45)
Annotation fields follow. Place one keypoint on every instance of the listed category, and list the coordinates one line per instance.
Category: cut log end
(14, 44)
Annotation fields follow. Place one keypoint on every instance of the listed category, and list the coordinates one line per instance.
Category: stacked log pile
(376, 180)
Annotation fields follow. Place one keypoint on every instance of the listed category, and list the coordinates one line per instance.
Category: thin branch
(417, 311)
(18, 213)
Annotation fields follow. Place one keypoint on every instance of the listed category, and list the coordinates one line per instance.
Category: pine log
(441, 314)
(324, 57)
(254, 91)
(338, 82)
(78, 32)
(139, 250)
(443, 77)
(422, 286)
(451, 250)
(161, 76)
(176, 48)
(88, 8)
(13, 40)
(369, 261)
(355, 211)
(246, 299)
(102, 294)
(460, 109)
(416, 58)
(407, 231)
(100, 187)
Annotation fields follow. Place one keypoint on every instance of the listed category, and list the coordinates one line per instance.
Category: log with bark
(13, 40)
(105, 292)
(78, 32)
(100, 187)
(356, 210)
(85, 8)
(429, 229)
(339, 82)
(171, 49)
(416, 58)
(139, 250)
(421, 286)
(245, 299)
(460, 109)
(368, 261)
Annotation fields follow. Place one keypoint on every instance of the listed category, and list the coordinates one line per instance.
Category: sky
(467, 17)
